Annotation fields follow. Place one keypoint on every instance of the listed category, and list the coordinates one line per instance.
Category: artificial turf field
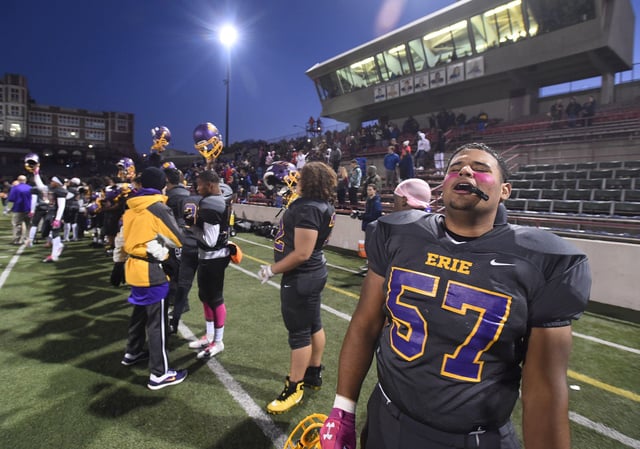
(63, 331)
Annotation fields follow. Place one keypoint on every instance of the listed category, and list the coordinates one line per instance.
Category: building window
(14, 95)
(94, 123)
(68, 120)
(95, 135)
(417, 55)
(40, 117)
(551, 15)
(396, 61)
(40, 130)
(447, 44)
(15, 130)
(15, 111)
(72, 133)
(122, 126)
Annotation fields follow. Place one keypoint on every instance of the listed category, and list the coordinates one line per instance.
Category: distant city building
(65, 135)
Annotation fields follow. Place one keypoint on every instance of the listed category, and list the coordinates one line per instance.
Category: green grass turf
(63, 331)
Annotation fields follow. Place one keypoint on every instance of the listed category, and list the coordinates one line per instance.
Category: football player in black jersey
(304, 229)
(209, 221)
(462, 311)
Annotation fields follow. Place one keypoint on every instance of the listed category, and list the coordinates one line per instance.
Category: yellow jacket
(149, 230)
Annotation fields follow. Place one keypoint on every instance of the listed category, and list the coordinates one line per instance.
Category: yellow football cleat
(289, 398)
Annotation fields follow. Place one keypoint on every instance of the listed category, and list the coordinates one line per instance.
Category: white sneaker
(212, 349)
(199, 344)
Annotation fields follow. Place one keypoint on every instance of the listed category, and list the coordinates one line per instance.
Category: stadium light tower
(228, 36)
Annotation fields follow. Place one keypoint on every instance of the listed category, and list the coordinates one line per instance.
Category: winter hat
(416, 191)
(153, 178)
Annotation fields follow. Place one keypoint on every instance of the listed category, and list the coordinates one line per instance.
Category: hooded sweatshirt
(147, 223)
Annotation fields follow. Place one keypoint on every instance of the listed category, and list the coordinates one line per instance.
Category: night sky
(162, 61)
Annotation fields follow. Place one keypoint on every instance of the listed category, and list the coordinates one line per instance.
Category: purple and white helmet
(208, 141)
(31, 162)
(126, 168)
(161, 138)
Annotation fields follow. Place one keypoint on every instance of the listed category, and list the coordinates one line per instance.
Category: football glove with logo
(339, 430)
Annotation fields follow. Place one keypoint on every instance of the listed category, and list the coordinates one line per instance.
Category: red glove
(55, 224)
(339, 430)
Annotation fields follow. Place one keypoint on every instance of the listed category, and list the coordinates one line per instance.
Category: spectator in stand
(573, 112)
(372, 207)
(390, 162)
(19, 203)
(343, 187)
(438, 154)
(410, 126)
(355, 179)
(335, 158)
(483, 121)
(588, 111)
(424, 146)
(555, 113)
(372, 178)
(302, 158)
(406, 163)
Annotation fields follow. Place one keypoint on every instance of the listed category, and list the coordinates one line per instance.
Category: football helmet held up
(161, 138)
(167, 165)
(306, 434)
(208, 141)
(31, 162)
(126, 168)
(284, 176)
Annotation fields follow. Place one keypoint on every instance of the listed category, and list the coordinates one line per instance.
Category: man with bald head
(20, 199)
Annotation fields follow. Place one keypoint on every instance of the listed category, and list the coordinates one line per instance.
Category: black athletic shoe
(132, 359)
(313, 377)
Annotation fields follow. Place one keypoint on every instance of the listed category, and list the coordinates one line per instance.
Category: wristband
(344, 403)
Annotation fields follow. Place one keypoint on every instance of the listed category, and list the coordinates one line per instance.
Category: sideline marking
(14, 260)
(606, 343)
(253, 410)
(604, 430)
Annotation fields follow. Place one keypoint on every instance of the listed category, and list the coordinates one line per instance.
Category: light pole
(228, 36)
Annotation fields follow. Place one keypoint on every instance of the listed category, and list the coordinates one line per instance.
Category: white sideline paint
(12, 263)
(604, 430)
(606, 343)
(253, 410)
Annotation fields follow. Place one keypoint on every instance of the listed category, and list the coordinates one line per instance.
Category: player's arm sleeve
(62, 202)
(565, 293)
(39, 184)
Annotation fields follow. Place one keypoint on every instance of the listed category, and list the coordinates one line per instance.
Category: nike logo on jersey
(495, 263)
(448, 263)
